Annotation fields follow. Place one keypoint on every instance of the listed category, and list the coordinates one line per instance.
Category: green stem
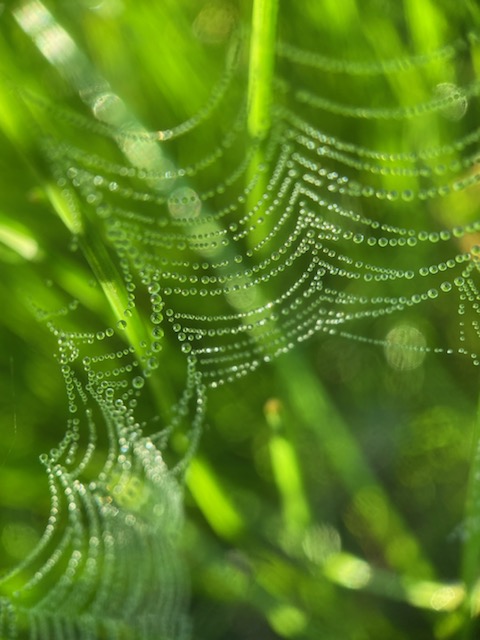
(471, 550)
(260, 93)
(262, 62)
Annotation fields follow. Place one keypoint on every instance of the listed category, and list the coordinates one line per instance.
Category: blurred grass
(375, 459)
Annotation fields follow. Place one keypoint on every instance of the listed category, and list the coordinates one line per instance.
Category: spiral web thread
(324, 237)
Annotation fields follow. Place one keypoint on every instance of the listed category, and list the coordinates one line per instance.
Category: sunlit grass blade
(213, 500)
(261, 67)
(287, 473)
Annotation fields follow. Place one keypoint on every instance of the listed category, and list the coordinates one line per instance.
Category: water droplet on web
(156, 318)
(157, 332)
(109, 108)
(475, 252)
(184, 203)
(215, 22)
(405, 347)
(456, 102)
(138, 382)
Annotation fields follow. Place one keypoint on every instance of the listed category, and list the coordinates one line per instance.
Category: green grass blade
(471, 550)
(262, 62)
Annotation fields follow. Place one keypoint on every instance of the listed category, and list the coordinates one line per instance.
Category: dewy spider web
(235, 271)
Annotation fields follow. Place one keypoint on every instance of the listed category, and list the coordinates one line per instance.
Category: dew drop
(157, 332)
(109, 108)
(138, 382)
(184, 203)
(456, 102)
(405, 347)
(156, 318)
(408, 195)
(475, 252)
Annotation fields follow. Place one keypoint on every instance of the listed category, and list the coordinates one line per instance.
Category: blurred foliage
(327, 497)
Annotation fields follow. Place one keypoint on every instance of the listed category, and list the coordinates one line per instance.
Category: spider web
(229, 261)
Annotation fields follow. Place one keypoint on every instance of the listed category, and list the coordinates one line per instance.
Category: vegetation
(239, 257)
